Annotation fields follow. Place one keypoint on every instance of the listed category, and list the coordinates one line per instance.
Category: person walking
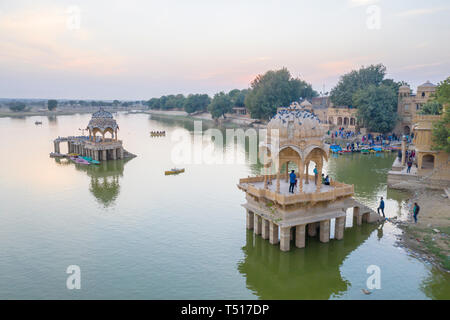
(381, 207)
(416, 211)
(292, 180)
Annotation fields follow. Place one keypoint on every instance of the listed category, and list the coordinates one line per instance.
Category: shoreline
(59, 112)
(429, 239)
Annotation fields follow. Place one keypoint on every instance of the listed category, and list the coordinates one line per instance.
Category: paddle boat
(79, 160)
(174, 171)
(157, 133)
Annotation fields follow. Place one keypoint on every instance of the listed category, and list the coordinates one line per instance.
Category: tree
(342, 94)
(441, 129)
(432, 107)
(52, 104)
(196, 102)
(238, 97)
(220, 104)
(441, 132)
(377, 107)
(275, 89)
(116, 102)
(17, 106)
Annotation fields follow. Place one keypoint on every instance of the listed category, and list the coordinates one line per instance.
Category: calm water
(136, 233)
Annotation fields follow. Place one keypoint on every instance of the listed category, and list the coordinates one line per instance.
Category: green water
(138, 234)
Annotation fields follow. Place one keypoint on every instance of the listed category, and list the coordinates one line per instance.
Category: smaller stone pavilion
(295, 136)
(97, 145)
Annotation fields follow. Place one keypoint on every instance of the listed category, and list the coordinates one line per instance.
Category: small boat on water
(174, 171)
(157, 133)
(79, 160)
(90, 160)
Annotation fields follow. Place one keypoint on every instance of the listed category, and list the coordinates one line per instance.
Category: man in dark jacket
(381, 207)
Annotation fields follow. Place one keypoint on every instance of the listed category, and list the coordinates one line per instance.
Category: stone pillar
(325, 231)
(114, 154)
(250, 220)
(285, 239)
(300, 177)
(104, 155)
(68, 147)
(312, 229)
(307, 173)
(257, 224)
(357, 216)
(287, 171)
(273, 233)
(265, 229)
(278, 181)
(95, 155)
(339, 228)
(300, 232)
(121, 153)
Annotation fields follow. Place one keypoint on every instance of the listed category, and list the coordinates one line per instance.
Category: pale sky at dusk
(141, 49)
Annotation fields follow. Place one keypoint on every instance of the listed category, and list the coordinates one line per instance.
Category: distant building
(410, 104)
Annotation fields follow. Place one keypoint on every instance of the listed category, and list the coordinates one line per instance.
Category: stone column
(68, 147)
(287, 171)
(312, 229)
(273, 233)
(339, 228)
(300, 178)
(300, 232)
(285, 238)
(114, 154)
(278, 181)
(357, 216)
(257, 224)
(265, 229)
(96, 155)
(121, 153)
(250, 220)
(325, 231)
(104, 155)
(307, 173)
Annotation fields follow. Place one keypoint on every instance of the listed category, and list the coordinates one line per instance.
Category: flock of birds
(288, 114)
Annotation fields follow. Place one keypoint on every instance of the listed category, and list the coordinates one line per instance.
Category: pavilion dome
(102, 120)
(296, 123)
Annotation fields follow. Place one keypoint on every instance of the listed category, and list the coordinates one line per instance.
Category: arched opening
(352, 121)
(330, 120)
(406, 130)
(428, 161)
(111, 133)
(346, 121)
(339, 121)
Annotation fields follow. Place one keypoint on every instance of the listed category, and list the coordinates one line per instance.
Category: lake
(138, 234)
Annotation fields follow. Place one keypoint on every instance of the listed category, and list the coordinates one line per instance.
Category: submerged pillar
(357, 216)
(285, 238)
(104, 155)
(273, 233)
(265, 228)
(121, 153)
(257, 224)
(339, 228)
(114, 154)
(312, 229)
(325, 231)
(250, 220)
(300, 232)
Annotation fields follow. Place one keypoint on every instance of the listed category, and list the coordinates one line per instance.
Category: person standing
(409, 166)
(381, 207)
(316, 174)
(416, 211)
(292, 180)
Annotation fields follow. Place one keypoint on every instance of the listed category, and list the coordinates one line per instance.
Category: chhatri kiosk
(97, 145)
(295, 136)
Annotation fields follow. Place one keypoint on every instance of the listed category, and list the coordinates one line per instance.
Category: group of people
(293, 179)
(343, 134)
(415, 211)
(410, 159)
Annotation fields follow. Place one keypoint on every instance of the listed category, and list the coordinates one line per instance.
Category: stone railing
(338, 190)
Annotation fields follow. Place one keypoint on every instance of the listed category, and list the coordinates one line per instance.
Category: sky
(139, 49)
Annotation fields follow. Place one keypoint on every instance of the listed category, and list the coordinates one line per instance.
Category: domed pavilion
(295, 141)
(101, 144)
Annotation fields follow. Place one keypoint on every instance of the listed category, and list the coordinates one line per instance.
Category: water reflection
(310, 273)
(104, 183)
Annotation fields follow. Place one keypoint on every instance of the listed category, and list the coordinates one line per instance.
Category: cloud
(40, 39)
(420, 12)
